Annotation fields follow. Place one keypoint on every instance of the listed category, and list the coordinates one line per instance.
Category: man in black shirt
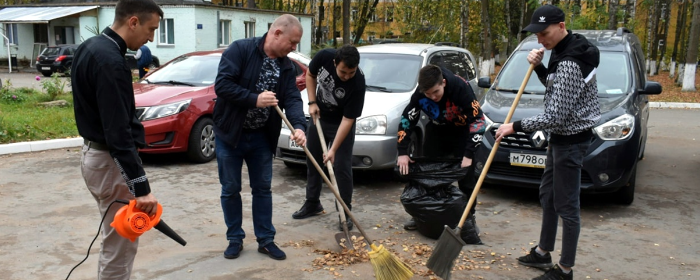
(338, 100)
(105, 115)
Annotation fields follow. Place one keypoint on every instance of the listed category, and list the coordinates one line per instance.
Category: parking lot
(49, 219)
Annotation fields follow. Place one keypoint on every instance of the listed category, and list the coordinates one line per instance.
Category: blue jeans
(252, 148)
(560, 197)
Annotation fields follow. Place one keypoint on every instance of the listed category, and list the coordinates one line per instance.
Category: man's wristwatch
(312, 102)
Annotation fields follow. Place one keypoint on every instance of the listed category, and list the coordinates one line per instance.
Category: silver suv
(391, 74)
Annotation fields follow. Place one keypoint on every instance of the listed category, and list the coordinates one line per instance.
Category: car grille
(522, 140)
(505, 169)
(293, 154)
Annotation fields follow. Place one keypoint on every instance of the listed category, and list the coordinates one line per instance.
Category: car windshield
(612, 74)
(51, 51)
(195, 70)
(392, 72)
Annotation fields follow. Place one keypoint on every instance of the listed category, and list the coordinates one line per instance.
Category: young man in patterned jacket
(456, 127)
(571, 111)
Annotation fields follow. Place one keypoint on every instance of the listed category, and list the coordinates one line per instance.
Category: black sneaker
(233, 251)
(308, 209)
(535, 260)
(556, 274)
(410, 225)
(272, 251)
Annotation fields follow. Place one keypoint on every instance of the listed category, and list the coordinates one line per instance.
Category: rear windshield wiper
(514, 90)
(170, 82)
(378, 88)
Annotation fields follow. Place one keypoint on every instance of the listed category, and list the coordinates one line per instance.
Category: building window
(353, 14)
(225, 33)
(390, 14)
(372, 15)
(167, 32)
(11, 32)
(249, 29)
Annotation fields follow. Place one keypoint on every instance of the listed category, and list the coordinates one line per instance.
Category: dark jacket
(458, 109)
(236, 92)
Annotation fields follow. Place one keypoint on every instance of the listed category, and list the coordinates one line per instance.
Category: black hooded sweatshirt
(571, 95)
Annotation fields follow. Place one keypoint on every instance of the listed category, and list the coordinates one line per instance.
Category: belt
(95, 145)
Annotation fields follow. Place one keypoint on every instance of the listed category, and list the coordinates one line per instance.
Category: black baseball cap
(543, 17)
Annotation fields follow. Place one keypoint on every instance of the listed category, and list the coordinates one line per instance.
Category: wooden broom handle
(472, 198)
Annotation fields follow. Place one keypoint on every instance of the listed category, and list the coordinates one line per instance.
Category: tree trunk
(336, 14)
(692, 57)
(523, 10)
(629, 12)
(666, 18)
(251, 4)
(321, 14)
(363, 19)
(680, 22)
(487, 61)
(651, 38)
(464, 26)
(612, 11)
(346, 22)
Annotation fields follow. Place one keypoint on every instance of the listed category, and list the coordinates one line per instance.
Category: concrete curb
(34, 146)
(24, 147)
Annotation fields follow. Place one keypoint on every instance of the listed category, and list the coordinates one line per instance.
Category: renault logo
(538, 138)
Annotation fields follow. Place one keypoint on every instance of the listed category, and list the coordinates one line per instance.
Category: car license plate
(45, 68)
(293, 145)
(528, 160)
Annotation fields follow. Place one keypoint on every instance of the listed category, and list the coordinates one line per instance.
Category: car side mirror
(484, 82)
(651, 88)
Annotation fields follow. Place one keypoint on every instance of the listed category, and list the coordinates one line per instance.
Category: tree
(692, 57)
(346, 22)
(680, 28)
(486, 49)
(361, 21)
(612, 10)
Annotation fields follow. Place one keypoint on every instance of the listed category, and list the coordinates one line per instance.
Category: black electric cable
(98, 234)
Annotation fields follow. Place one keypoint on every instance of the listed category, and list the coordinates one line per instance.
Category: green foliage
(53, 86)
(24, 121)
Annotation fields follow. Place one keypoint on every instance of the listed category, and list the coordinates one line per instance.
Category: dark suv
(55, 59)
(610, 164)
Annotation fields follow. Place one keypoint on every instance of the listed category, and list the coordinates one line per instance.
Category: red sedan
(175, 104)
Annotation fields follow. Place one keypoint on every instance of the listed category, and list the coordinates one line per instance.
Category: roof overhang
(39, 14)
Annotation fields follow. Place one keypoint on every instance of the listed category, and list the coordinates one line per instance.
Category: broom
(386, 266)
(450, 244)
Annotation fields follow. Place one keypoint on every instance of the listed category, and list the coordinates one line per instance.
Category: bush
(53, 86)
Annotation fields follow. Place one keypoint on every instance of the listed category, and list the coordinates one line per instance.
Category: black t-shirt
(336, 99)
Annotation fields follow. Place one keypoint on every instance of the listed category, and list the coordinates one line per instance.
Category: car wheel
(46, 73)
(201, 146)
(625, 195)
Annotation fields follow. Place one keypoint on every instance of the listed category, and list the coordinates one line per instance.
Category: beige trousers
(106, 184)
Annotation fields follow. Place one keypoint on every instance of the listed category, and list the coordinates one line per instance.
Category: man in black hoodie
(571, 111)
(456, 127)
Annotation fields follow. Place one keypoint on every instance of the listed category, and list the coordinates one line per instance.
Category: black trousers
(445, 142)
(342, 165)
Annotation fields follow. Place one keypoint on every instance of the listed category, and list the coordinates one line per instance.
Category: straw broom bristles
(387, 266)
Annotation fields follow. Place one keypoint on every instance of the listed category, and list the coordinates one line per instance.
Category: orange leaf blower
(130, 222)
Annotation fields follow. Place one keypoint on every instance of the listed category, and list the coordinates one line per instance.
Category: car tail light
(60, 58)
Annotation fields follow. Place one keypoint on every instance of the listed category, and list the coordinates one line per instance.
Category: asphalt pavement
(49, 219)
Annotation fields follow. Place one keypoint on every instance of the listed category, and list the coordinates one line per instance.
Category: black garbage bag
(431, 199)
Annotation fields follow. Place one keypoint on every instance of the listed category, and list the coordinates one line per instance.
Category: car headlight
(162, 111)
(371, 125)
(616, 129)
